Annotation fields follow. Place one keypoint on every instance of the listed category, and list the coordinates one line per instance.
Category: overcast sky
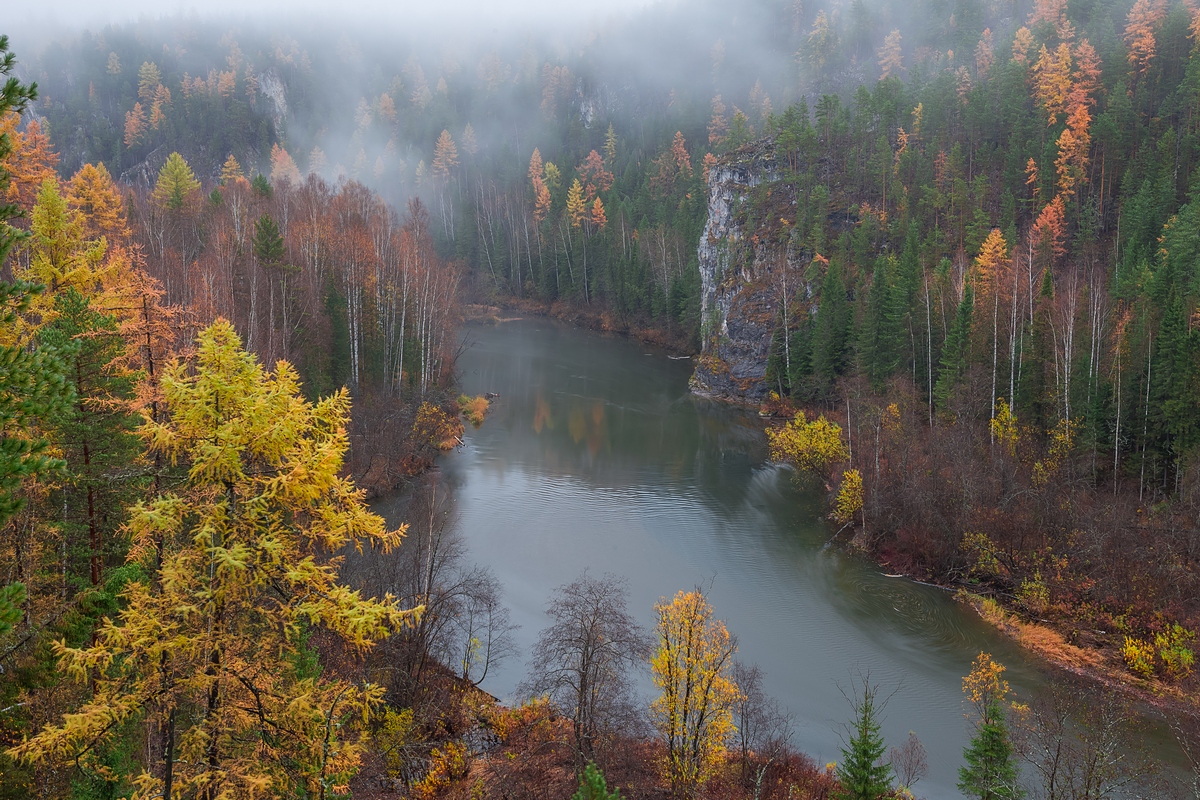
(402, 14)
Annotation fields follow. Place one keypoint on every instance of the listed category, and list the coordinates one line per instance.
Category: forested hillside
(988, 274)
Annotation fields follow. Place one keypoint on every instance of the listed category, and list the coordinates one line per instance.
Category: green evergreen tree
(832, 332)
(880, 338)
(592, 786)
(991, 769)
(95, 434)
(32, 383)
(267, 242)
(954, 352)
(862, 773)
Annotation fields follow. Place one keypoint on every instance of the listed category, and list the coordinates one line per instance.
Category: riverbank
(999, 589)
(1102, 664)
(675, 342)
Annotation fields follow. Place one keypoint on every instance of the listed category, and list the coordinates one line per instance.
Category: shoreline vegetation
(1096, 661)
(818, 450)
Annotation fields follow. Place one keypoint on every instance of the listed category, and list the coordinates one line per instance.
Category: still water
(597, 456)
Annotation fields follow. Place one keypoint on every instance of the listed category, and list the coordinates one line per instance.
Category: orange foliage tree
(1140, 31)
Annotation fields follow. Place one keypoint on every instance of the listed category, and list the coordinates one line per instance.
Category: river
(596, 456)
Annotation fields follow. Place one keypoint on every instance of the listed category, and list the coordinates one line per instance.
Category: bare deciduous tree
(1187, 732)
(584, 659)
(1083, 746)
(464, 628)
(763, 730)
(909, 761)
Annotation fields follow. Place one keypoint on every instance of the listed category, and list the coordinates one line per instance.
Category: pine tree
(267, 242)
(862, 773)
(95, 434)
(14, 98)
(592, 786)
(33, 385)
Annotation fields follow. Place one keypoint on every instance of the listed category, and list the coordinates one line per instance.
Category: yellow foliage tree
(985, 687)
(1004, 427)
(60, 257)
(692, 667)
(211, 654)
(231, 170)
(577, 209)
(93, 194)
(176, 183)
(891, 62)
(809, 446)
(849, 496)
(1052, 80)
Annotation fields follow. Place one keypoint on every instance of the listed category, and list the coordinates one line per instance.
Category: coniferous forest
(949, 252)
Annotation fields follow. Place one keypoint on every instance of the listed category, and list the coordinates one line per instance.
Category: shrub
(1177, 657)
(446, 764)
(474, 408)
(1033, 595)
(1139, 656)
(395, 737)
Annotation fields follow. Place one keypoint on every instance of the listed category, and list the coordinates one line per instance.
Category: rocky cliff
(747, 266)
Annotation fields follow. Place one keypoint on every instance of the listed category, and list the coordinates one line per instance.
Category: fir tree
(832, 328)
(991, 769)
(592, 786)
(862, 773)
(954, 352)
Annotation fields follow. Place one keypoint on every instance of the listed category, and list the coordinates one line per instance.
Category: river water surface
(597, 456)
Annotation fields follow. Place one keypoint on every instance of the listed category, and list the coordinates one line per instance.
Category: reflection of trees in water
(622, 443)
(465, 627)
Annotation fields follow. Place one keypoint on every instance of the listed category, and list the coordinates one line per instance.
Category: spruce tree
(832, 330)
(880, 331)
(32, 383)
(991, 769)
(862, 773)
(954, 352)
(592, 786)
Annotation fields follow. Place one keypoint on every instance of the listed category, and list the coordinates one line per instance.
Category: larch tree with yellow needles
(210, 654)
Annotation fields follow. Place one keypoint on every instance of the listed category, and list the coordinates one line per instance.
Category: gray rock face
(273, 89)
(746, 267)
